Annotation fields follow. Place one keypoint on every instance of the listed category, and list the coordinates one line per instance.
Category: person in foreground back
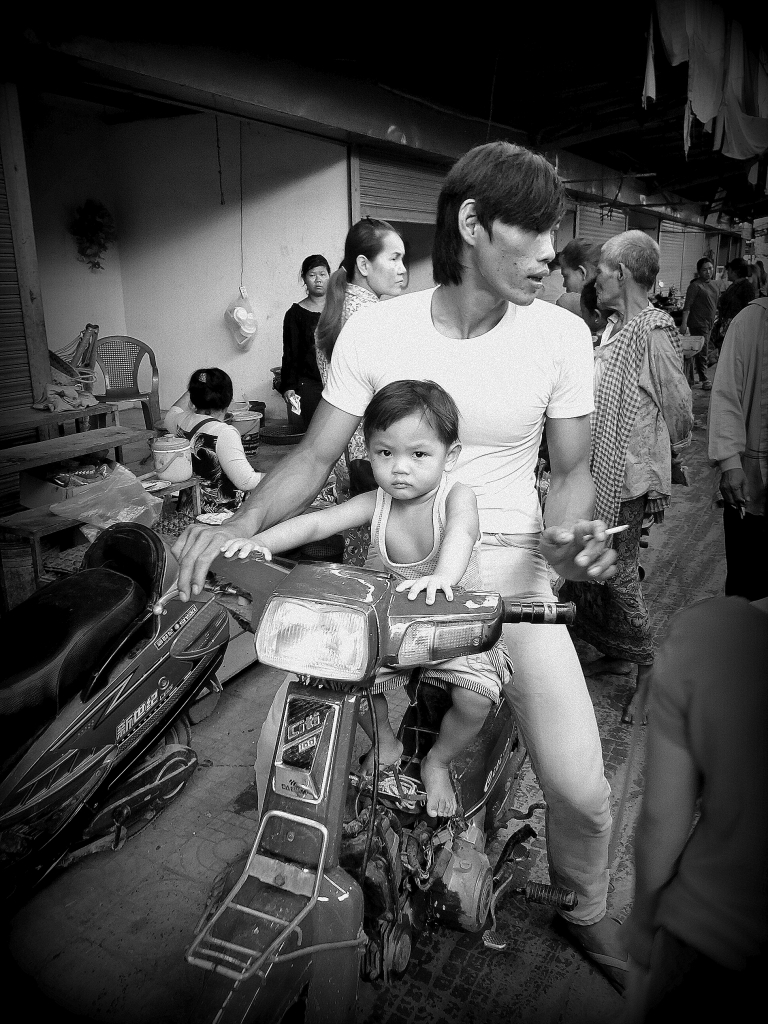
(511, 363)
(425, 530)
(698, 932)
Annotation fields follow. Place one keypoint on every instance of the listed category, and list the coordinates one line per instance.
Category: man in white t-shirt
(511, 363)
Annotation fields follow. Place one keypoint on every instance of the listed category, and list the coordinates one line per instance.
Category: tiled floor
(105, 939)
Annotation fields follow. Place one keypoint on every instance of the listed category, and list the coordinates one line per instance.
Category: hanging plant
(94, 230)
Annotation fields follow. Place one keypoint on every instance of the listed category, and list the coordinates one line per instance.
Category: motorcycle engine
(461, 896)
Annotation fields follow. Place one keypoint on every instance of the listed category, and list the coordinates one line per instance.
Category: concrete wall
(68, 161)
(180, 248)
(177, 263)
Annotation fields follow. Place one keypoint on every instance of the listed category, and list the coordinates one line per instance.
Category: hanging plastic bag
(119, 498)
(241, 320)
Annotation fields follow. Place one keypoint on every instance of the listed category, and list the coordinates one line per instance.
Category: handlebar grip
(539, 611)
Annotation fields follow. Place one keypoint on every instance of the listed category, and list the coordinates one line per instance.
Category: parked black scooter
(98, 671)
(343, 876)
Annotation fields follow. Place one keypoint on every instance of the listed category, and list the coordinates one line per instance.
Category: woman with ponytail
(372, 267)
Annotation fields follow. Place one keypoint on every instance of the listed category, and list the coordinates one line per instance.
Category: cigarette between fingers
(608, 532)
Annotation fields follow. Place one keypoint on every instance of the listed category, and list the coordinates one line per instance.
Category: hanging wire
(490, 108)
(241, 204)
(218, 158)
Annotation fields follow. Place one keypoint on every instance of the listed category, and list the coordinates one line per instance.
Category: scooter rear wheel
(178, 732)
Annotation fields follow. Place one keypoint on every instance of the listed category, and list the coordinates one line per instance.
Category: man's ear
(468, 222)
(452, 456)
(622, 271)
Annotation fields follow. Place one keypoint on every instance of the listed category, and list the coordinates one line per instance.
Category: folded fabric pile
(58, 398)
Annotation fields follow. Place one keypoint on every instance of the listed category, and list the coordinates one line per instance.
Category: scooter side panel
(310, 769)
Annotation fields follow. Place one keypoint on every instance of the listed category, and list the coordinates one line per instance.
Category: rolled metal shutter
(598, 225)
(671, 251)
(15, 377)
(395, 190)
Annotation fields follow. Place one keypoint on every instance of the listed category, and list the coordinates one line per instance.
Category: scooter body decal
(169, 633)
(303, 756)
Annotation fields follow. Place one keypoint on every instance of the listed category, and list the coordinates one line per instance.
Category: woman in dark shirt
(738, 295)
(699, 313)
(300, 381)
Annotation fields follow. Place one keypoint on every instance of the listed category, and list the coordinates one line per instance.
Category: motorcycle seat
(53, 640)
(133, 550)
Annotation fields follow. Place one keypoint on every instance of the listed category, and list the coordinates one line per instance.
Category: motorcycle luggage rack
(241, 962)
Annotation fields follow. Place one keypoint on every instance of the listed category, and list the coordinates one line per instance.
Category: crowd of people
(435, 405)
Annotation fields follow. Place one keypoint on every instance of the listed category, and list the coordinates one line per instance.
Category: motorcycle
(345, 872)
(101, 668)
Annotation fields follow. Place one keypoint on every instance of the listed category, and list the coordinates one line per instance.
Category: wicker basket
(280, 433)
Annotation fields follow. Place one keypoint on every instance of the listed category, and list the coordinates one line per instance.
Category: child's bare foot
(389, 753)
(441, 798)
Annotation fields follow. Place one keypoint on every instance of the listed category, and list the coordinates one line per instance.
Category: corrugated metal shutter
(671, 246)
(597, 225)
(392, 190)
(15, 379)
(694, 248)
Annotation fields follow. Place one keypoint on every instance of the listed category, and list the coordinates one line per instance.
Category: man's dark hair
(210, 389)
(739, 266)
(402, 398)
(508, 183)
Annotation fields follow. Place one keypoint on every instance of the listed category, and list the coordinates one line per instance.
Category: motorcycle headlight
(314, 638)
(436, 641)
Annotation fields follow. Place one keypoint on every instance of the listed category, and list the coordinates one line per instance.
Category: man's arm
(570, 505)
(287, 489)
(726, 422)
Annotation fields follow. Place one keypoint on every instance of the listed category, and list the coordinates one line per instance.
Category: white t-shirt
(536, 362)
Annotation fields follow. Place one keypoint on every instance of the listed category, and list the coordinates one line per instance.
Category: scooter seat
(53, 640)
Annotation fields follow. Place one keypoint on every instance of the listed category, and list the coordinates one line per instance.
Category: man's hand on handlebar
(579, 552)
(195, 550)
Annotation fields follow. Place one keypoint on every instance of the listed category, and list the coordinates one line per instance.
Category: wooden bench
(71, 446)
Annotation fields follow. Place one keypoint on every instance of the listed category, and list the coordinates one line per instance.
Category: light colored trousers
(557, 720)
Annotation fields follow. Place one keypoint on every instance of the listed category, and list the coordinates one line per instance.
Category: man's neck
(463, 311)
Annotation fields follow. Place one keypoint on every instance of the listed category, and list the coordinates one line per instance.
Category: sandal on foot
(399, 787)
(602, 961)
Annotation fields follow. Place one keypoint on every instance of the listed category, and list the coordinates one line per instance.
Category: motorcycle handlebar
(539, 611)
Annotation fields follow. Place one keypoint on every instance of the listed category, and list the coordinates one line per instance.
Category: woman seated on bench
(217, 448)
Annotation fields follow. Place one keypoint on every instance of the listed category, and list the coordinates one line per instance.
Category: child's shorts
(484, 673)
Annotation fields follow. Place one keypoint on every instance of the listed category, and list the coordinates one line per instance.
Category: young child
(425, 530)
(218, 457)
